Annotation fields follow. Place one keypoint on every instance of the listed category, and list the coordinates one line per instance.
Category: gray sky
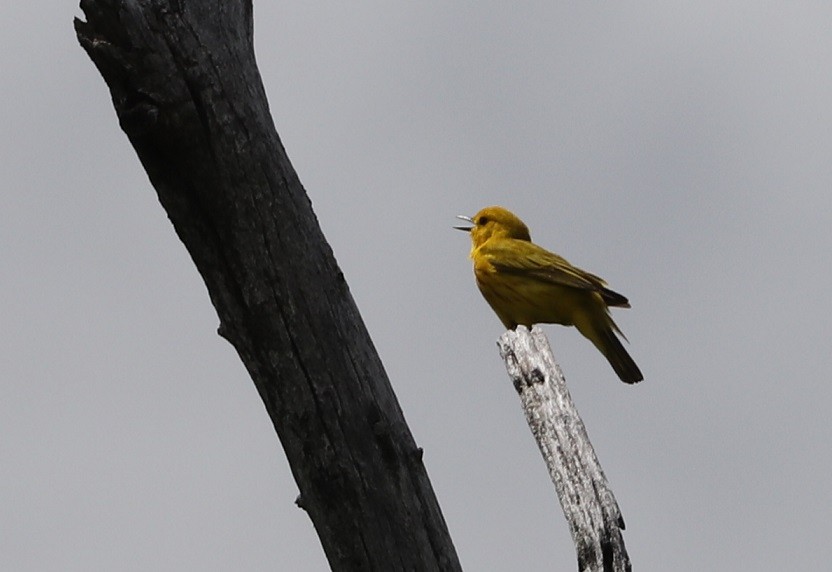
(680, 150)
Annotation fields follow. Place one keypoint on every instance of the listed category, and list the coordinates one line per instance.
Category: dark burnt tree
(188, 94)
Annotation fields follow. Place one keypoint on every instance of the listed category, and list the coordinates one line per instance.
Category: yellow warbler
(526, 284)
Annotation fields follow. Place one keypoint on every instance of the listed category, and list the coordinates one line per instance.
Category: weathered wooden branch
(588, 503)
(188, 94)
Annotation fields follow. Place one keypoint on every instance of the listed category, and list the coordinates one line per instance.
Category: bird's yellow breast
(517, 299)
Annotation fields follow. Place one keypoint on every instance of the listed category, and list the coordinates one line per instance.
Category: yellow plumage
(525, 284)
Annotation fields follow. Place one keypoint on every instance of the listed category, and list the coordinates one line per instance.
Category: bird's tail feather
(618, 357)
(601, 331)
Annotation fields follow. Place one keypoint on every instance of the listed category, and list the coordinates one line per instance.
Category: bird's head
(493, 222)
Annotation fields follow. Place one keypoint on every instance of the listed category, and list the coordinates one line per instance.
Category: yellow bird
(526, 284)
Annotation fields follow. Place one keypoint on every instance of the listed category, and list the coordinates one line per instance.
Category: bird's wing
(527, 259)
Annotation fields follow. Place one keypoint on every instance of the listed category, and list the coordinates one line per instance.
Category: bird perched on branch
(525, 284)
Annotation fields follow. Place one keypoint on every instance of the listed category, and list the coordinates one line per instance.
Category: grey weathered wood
(588, 503)
(188, 94)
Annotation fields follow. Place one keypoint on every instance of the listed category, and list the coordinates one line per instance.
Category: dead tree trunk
(590, 508)
(188, 94)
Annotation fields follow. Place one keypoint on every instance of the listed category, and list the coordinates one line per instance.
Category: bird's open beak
(467, 219)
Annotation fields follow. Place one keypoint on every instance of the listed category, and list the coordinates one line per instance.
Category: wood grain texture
(588, 503)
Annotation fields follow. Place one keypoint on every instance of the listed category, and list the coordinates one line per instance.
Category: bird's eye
(483, 220)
